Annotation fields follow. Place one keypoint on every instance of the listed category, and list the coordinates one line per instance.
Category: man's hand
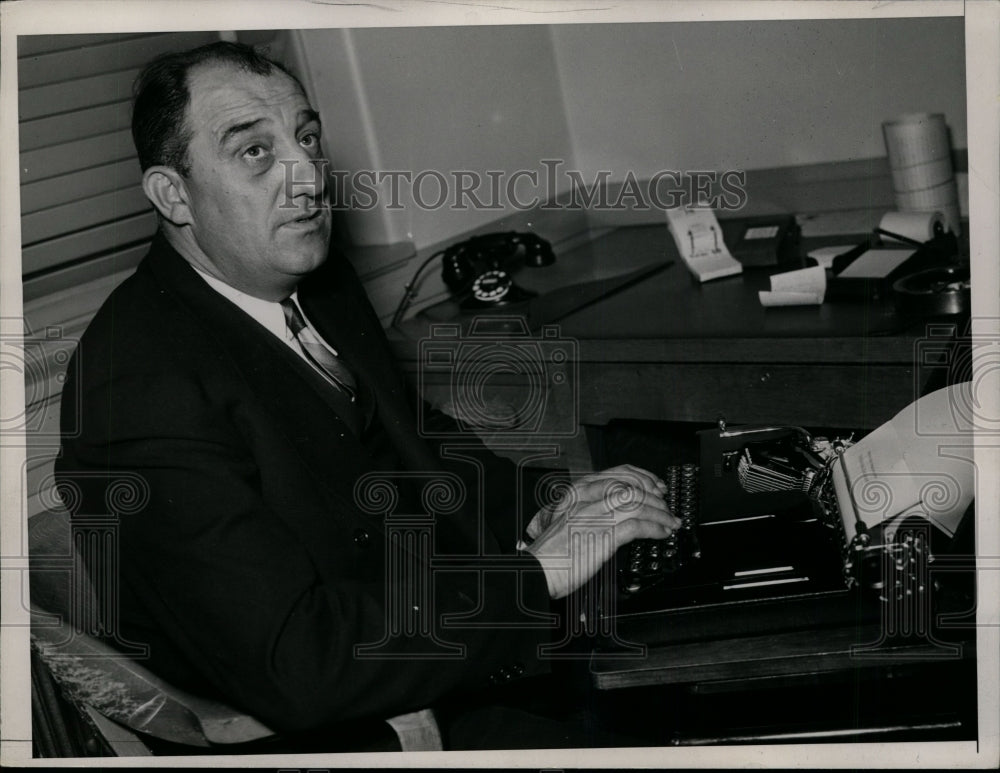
(596, 515)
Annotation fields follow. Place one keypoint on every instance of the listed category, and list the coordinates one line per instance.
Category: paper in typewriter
(918, 463)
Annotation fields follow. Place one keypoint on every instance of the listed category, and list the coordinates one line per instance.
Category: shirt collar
(267, 313)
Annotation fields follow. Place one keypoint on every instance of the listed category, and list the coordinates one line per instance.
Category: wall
(752, 95)
(639, 97)
(442, 99)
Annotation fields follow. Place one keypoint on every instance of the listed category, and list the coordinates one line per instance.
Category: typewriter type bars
(761, 472)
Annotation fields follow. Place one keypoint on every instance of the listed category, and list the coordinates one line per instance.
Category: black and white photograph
(500, 384)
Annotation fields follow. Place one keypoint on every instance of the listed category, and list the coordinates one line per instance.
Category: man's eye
(310, 140)
(255, 152)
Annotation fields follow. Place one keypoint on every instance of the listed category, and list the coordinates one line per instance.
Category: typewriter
(785, 530)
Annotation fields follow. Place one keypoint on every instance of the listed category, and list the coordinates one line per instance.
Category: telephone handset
(478, 268)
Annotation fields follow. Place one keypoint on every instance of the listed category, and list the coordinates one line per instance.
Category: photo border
(982, 22)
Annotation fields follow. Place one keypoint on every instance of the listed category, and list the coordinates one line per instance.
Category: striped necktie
(325, 361)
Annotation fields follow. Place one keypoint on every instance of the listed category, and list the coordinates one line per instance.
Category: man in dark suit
(243, 376)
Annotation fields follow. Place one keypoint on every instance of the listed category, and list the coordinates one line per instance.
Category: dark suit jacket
(250, 570)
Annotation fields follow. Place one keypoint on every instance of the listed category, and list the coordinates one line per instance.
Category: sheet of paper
(875, 264)
(825, 255)
(804, 287)
(699, 241)
(709, 267)
(789, 299)
(920, 462)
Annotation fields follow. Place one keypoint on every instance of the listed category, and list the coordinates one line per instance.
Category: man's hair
(161, 97)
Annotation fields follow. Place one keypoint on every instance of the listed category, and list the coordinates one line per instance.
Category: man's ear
(165, 188)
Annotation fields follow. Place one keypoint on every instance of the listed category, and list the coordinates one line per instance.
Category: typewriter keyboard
(644, 563)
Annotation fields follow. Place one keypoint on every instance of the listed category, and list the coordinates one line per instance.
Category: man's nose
(305, 175)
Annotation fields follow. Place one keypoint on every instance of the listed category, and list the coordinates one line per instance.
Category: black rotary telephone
(477, 269)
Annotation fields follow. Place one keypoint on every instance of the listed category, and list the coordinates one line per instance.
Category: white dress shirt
(267, 313)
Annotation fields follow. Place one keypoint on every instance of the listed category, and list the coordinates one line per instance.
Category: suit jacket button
(518, 669)
(504, 674)
(361, 538)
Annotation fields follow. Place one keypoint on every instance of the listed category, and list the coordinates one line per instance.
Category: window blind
(83, 213)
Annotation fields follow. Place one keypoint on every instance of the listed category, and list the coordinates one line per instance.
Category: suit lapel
(297, 397)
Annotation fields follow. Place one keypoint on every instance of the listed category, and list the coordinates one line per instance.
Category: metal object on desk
(764, 241)
(934, 292)
(848, 283)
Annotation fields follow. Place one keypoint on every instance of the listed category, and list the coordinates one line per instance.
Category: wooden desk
(797, 686)
(670, 349)
(760, 657)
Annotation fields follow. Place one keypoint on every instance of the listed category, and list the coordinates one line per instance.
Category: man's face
(255, 185)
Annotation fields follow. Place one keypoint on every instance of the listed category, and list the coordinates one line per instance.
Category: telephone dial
(477, 270)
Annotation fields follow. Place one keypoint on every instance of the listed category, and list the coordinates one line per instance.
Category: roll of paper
(943, 199)
(918, 226)
(929, 199)
(916, 138)
(923, 179)
(922, 176)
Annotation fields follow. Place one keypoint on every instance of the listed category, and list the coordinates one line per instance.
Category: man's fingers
(634, 501)
(626, 472)
(630, 472)
(613, 528)
(654, 510)
(648, 512)
(652, 482)
(640, 528)
(619, 487)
